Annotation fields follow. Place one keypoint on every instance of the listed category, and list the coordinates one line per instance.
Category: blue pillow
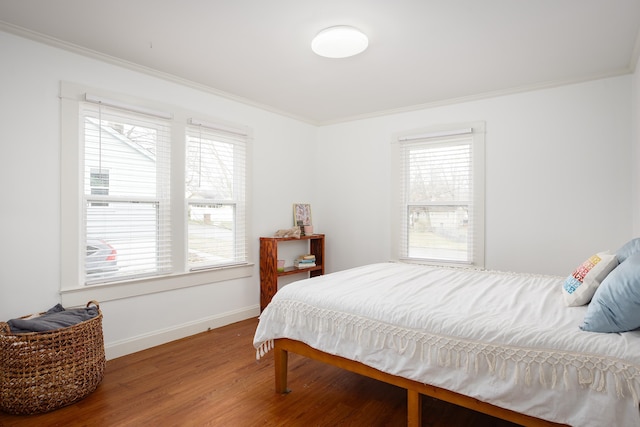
(615, 306)
(630, 248)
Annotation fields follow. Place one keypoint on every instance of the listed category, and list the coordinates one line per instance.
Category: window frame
(399, 206)
(102, 148)
(73, 289)
(217, 137)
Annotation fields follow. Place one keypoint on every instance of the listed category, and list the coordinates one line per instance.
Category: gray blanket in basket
(55, 318)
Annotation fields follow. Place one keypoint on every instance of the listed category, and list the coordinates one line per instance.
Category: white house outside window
(127, 203)
(440, 190)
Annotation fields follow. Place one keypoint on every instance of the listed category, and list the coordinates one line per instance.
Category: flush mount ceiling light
(341, 41)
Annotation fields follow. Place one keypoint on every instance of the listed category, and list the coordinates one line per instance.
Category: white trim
(478, 97)
(479, 193)
(438, 134)
(478, 131)
(163, 336)
(71, 296)
(219, 127)
(73, 291)
(80, 50)
(124, 106)
(89, 53)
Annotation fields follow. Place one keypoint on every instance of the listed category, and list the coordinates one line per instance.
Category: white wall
(30, 192)
(558, 181)
(558, 184)
(635, 155)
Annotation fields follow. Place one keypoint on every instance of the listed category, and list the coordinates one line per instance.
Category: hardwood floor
(214, 379)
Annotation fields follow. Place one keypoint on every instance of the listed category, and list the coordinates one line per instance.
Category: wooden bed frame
(283, 346)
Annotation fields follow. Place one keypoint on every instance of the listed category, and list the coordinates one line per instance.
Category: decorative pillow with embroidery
(580, 286)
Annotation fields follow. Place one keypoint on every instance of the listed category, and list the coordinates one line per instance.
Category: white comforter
(503, 338)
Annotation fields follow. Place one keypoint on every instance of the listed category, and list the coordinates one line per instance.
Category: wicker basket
(43, 371)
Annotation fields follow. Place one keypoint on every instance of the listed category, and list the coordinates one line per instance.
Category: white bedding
(503, 338)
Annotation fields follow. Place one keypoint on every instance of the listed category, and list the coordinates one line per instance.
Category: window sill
(108, 292)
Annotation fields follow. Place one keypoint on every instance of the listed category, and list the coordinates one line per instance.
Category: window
(440, 190)
(127, 203)
(215, 195)
(149, 196)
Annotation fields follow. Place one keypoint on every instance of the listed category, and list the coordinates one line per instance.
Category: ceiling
(421, 52)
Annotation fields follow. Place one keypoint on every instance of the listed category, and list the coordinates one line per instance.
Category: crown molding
(52, 41)
(477, 97)
(83, 51)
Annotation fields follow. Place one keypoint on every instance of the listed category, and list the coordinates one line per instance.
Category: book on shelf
(305, 261)
(309, 265)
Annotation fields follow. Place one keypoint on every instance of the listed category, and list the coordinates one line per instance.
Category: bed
(501, 343)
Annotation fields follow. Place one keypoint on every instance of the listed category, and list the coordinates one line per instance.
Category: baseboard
(163, 336)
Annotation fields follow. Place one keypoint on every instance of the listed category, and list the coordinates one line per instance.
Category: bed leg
(414, 409)
(281, 358)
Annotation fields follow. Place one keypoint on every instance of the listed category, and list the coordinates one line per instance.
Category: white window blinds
(215, 195)
(440, 194)
(126, 194)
